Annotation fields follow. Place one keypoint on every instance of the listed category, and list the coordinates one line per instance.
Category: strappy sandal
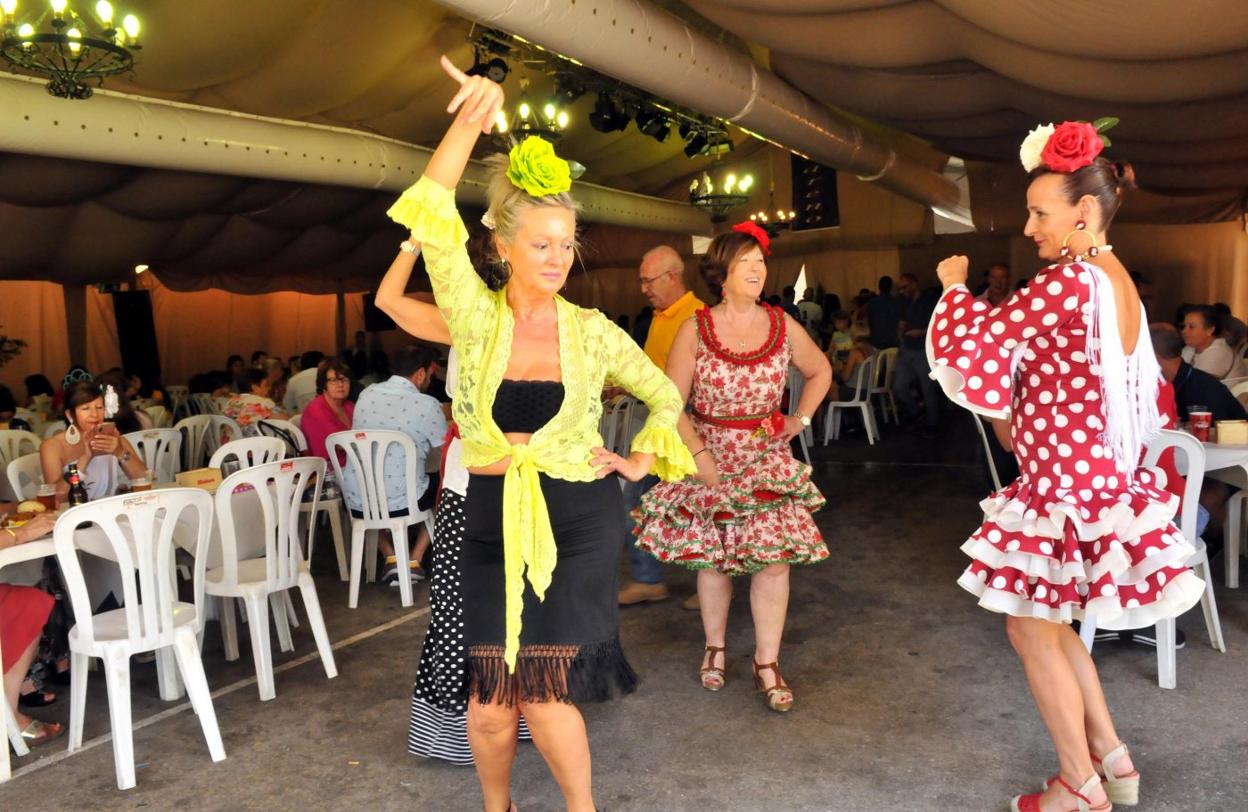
(714, 679)
(37, 732)
(779, 697)
(1031, 803)
(1123, 790)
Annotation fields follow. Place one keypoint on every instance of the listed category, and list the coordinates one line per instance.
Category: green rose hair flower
(534, 167)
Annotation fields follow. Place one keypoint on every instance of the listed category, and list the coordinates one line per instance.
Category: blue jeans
(646, 568)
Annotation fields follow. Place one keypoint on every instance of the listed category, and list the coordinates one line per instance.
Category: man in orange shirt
(662, 279)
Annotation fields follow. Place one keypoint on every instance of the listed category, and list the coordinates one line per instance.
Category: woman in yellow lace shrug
(544, 509)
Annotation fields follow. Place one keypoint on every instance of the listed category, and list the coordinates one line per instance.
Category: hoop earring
(72, 435)
(1081, 227)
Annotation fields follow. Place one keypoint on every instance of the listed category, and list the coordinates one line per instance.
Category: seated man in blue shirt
(401, 404)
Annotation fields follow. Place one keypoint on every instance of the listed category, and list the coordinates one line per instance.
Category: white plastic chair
(14, 443)
(139, 528)
(365, 453)
(161, 450)
(796, 382)
(161, 418)
(31, 417)
(614, 423)
(53, 428)
(992, 463)
(288, 426)
(179, 401)
(296, 420)
(863, 376)
(1239, 389)
(330, 509)
(1189, 446)
(25, 475)
(202, 403)
(280, 486)
(882, 384)
(204, 436)
(8, 723)
(249, 452)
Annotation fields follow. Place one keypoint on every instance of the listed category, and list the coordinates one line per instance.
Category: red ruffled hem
(1116, 555)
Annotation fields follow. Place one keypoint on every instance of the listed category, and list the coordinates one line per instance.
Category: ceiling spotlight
(495, 70)
(653, 123)
(718, 145)
(568, 89)
(607, 117)
(697, 142)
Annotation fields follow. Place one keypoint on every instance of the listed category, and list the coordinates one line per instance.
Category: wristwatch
(804, 420)
(125, 457)
(409, 247)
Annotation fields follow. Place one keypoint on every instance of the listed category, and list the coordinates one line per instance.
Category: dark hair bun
(1125, 174)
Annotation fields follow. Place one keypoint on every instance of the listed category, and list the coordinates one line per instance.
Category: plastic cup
(142, 483)
(1201, 421)
(46, 496)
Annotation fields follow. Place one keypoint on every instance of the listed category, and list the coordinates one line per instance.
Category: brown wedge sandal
(713, 679)
(779, 697)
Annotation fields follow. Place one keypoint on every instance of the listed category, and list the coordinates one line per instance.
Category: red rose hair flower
(754, 230)
(1073, 145)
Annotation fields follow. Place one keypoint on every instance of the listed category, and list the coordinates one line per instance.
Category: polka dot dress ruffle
(1073, 535)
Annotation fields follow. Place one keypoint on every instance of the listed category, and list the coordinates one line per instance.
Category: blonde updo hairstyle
(506, 205)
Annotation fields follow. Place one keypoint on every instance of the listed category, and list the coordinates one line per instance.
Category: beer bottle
(77, 493)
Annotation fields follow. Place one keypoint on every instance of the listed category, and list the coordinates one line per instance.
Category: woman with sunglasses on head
(544, 503)
(1084, 532)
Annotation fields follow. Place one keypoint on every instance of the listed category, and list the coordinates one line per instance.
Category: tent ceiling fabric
(974, 77)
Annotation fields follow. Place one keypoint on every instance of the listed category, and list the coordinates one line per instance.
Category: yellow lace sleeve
(629, 367)
(428, 210)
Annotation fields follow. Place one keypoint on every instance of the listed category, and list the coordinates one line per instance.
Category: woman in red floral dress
(1084, 531)
(749, 511)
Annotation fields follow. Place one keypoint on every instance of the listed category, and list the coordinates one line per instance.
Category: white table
(1229, 463)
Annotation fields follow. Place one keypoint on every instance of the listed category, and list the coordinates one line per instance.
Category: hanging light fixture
(73, 49)
(772, 219)
(547, 120)
(718, 191)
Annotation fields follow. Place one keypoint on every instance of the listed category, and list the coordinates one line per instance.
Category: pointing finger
(454, 72)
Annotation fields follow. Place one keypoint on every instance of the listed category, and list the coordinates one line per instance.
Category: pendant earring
(1081, 227)
(72, 435)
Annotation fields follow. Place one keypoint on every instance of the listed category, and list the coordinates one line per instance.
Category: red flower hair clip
(754, 230)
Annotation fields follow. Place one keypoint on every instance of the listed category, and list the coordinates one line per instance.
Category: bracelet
(409, 247)
(699, 451)
(12, 533)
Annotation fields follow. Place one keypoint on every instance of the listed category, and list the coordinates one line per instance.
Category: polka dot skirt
(1074, 535)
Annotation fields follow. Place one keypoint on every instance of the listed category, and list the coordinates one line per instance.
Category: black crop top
(523, 407)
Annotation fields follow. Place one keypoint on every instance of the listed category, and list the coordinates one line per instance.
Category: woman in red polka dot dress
(1084, 531)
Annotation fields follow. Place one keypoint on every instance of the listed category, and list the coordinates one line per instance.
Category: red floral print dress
(1078, 532)
(760, 513)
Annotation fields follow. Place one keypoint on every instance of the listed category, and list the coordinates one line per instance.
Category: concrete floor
(908, 696)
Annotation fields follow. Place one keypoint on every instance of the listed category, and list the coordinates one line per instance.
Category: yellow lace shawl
(593, 353)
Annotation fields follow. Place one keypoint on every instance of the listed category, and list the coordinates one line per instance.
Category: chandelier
(721, 194)
(774, 220)
(73, 49)
(547, 121)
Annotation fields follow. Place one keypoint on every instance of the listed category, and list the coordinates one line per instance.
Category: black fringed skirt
(570, 642)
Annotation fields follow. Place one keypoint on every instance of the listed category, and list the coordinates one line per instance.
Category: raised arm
(414, 313)
(428, 208)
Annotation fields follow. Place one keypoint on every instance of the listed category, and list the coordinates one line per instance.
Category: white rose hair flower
(1033, 145)
(112, 404)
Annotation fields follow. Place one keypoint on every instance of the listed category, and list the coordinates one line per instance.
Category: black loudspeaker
(136, 333)
(814, 195)
(375, 319)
